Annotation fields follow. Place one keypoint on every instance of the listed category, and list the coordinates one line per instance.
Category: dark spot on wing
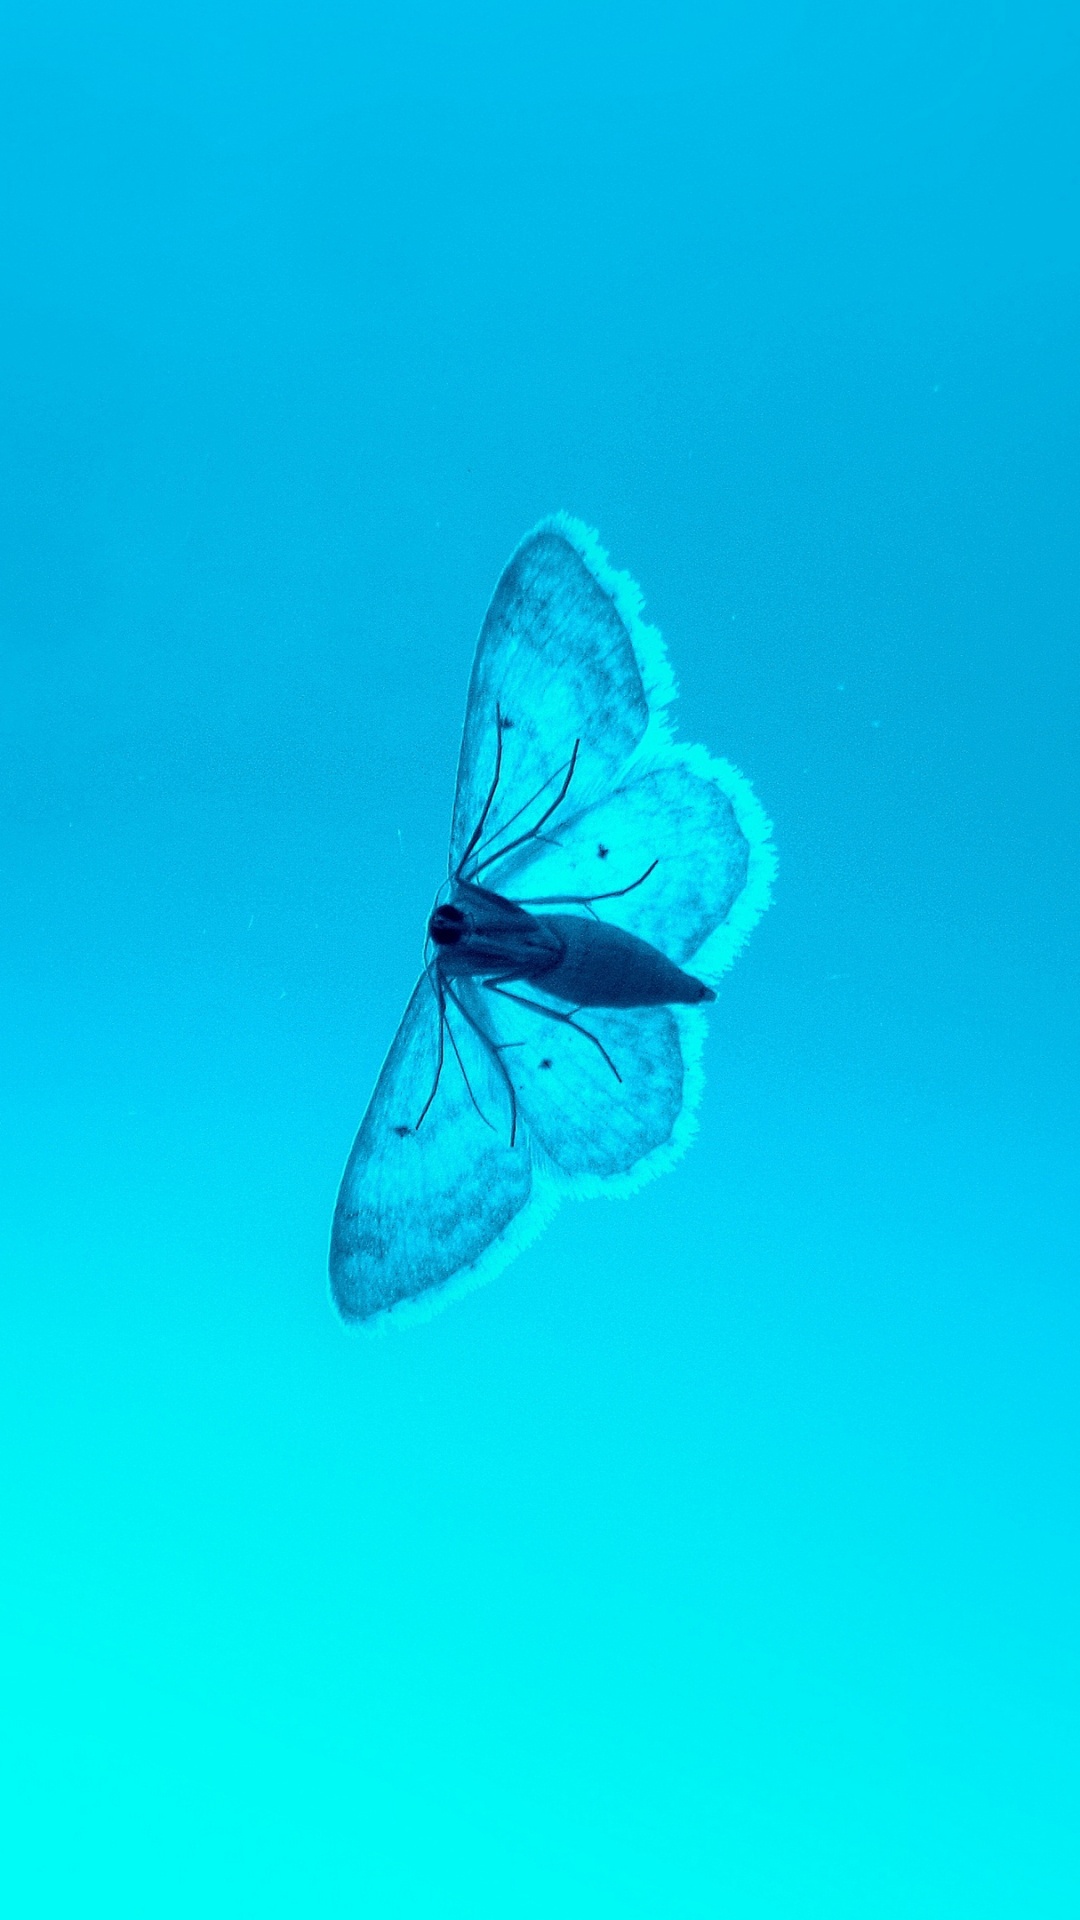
(402, 1131)
(545, 1064)
(506, 723)
(602, 852)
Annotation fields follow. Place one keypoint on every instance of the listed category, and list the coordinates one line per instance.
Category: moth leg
(533, 832)
(465, 1077)
(585, 899)
(564, 1019)
(437, 990)
(492, 791)
(496, 1055)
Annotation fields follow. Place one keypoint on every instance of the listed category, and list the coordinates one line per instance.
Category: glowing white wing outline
(426, 1213)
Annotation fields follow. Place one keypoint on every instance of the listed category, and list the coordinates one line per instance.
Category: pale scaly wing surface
(425, 1209)
(557, 659)
(694, 822)
(604, 1099)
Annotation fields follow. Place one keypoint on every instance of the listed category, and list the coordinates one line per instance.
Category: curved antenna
(518, 811)
(492, 791)
(534, 832)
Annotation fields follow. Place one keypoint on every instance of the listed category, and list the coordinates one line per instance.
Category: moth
(601, 877)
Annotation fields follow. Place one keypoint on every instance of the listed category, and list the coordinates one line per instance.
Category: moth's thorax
(477, 931)
(447, 926)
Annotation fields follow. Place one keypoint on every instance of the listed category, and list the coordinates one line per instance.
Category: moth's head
(446, 926)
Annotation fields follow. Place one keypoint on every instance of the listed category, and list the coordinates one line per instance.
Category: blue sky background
(722, 1557)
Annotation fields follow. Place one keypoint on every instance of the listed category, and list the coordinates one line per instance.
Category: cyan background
(722, 1557)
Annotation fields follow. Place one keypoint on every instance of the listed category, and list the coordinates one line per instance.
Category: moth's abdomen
(603, 966)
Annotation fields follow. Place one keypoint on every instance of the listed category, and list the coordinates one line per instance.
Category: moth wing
(427, 1212)
(563, 656)
(609, 1099)
(695, 822)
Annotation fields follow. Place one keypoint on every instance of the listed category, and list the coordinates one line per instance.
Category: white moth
(601, 878)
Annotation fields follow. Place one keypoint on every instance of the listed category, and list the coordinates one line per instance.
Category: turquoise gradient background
(722, 1557)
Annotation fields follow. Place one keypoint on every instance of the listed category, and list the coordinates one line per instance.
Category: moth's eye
(446, 926)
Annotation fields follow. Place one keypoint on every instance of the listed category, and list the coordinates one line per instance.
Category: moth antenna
(492, 791)
(516, 815)
(534, 832)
